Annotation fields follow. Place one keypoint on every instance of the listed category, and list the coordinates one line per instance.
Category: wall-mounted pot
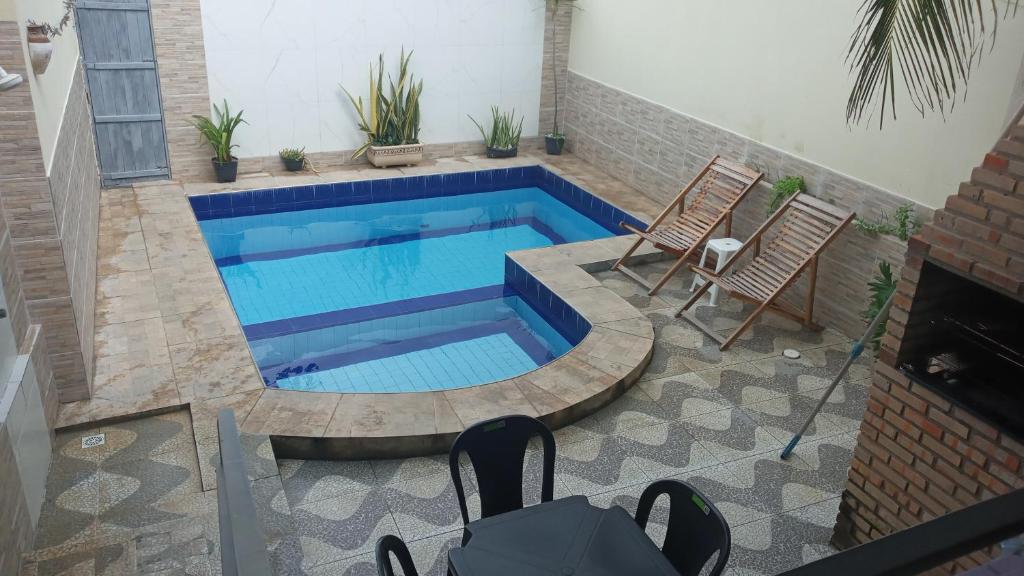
(40, 48)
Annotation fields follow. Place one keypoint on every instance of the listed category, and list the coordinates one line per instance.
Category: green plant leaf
(783, 189)
(879, 289)
(934, 43)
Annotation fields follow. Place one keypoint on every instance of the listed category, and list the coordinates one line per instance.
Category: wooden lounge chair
(717, 189)
(808, 226)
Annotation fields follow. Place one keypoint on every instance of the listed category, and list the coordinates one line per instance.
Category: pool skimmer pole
(855, 352)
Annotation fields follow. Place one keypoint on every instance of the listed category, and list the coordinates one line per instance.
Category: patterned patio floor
(718, 420)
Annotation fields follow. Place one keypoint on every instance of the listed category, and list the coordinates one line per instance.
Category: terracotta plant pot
(402, 155)
(226, 171)
(502, 152)
(40, 49)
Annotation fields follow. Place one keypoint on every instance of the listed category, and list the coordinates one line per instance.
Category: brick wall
(49, 244)
(918, 456)
(658, 150)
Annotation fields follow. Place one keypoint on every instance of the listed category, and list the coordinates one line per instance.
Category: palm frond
(934, 44)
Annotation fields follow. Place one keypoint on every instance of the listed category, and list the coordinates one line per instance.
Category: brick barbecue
(941, 432)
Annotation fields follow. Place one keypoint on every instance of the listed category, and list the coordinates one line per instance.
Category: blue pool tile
(241, 200)
(417, 186)
(485, 180)
(435, 184)
(284, 196)
(304, 194)
(220, 202)
(344, 193)
(380, 190)
(199, 203)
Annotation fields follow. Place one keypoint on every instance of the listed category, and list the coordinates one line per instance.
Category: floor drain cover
(94, 440)
(791, 353)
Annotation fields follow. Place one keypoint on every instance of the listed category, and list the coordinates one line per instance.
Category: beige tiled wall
(557, 32)
(659, 150)
(48, 245)
(28, 411)
(181, 61)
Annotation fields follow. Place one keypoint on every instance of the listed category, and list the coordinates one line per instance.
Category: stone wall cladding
(658, 151)
(557, 34)
(181, 65)
(48, 241)
(918, 456)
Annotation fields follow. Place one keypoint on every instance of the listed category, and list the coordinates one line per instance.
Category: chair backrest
(391, 544)
(721, 186)
(696, 529)
(497, 450)
(805, 227)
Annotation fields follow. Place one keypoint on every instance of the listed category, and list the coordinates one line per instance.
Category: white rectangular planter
(403, 155)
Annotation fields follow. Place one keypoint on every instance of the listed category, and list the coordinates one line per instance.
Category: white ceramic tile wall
(22, 409)
(283, 63)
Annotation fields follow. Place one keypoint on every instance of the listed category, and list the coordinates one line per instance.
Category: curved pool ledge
(598, 370)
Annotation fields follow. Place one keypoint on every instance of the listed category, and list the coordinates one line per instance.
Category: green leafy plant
(218, 134)
(389, 117)
(879, 288)
(505, 131)
(293, 154)
(934, 43)
(903, 224)
(50, 30)
(783, 189)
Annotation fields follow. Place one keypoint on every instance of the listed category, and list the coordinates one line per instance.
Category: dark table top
(566, 537)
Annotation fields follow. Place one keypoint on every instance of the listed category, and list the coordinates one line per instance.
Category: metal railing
(243, 549)
(927, 545)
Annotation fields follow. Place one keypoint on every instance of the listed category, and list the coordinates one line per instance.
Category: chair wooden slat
(700, 208)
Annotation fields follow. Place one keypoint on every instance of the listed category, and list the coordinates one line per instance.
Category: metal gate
(120, 68)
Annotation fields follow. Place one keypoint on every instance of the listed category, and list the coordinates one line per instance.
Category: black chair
(497, 450)
(696, 529)
(392, 544)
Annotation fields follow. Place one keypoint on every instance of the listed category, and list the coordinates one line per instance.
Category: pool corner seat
(717, 189)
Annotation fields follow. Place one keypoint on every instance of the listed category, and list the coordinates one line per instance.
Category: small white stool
(724, 248)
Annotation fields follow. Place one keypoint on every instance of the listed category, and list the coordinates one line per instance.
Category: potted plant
(40, 38)
(391, 121)
(503, 139)
(218, 135)
(554, 141)
(783, 189)
(294, 159)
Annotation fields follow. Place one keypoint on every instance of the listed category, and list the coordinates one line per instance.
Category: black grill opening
(966, 342)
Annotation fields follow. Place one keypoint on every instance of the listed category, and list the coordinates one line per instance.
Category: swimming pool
(400, 285)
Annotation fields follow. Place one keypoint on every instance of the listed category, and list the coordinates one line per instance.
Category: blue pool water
(396, 296)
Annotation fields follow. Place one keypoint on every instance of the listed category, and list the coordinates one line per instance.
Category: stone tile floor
(717, 420)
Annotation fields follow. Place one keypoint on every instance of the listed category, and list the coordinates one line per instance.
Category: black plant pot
(293, 165)
(502, 152)
(554, 145)
(226, 171)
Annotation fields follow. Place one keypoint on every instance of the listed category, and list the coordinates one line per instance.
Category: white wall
(50, 90)
(775, 72)
(282, 63)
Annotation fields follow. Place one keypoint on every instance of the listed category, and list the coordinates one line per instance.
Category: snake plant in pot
(218, 134)
(503, 139)
(390, 118)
